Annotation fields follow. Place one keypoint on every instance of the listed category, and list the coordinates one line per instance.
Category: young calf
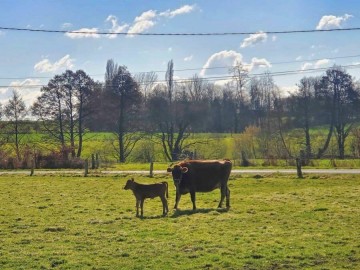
(151, 191)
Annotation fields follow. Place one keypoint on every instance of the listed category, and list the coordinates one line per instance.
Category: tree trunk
(327, 142)
(121, 131)
(80, 128)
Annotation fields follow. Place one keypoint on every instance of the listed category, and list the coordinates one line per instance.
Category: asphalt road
(235, 171)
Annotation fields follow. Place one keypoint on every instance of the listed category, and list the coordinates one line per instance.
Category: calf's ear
(169, 169)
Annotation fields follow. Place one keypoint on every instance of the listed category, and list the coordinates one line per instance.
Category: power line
(178, 34)
(201, 68)
(219, 78)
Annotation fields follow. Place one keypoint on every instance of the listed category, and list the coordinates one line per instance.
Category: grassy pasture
(275, 222)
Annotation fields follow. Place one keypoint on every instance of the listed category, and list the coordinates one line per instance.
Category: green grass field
(275, 222)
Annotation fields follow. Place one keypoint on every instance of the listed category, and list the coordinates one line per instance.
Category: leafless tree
(146, 82)
(343, 100)
(15, 112)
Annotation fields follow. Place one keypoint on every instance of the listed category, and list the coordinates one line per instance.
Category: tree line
(134, 107)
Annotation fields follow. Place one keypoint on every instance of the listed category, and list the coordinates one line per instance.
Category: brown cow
(151, 191)
(191, 176)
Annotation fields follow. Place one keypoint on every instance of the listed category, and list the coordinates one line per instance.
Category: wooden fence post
(32, 167)
(86, 165)
(97, 162)
(92, 161)
(298, 168)
(151, 169)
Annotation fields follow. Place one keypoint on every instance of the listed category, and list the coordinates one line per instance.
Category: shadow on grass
(152, 217)
(179, 213)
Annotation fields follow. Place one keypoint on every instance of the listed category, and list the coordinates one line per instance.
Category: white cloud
(66, 25)
(220, 59)
(29, 90)
(318, 64)
(254, 39)
(286, 91)
(259, 62)
(84, 33)
(332, 22)
(143, 22)
(116, 28)
(306, 65)
(188, 58)
(227, 59)
(170, 49)
(182, 10)
(322, 62)
(46, 66)
(298, 58)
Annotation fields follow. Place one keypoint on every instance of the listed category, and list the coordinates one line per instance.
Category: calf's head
(130, 184)
(177, 173)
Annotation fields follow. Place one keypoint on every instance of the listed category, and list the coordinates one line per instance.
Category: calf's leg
(165, 205)
(137, 207)
(142, 206)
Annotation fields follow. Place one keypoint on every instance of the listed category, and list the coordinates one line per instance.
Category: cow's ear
(184, 169)
(132, 180)
(169, 169)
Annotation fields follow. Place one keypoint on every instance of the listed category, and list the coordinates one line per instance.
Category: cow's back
(205, 175)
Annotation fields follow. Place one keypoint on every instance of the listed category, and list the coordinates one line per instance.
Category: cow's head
(177, 173)
(129, 184)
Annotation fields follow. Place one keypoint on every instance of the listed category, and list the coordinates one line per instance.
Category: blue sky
(28, 58)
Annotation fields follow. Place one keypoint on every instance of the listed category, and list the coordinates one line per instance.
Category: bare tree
(146, 82)
(263, 93)
(15, 111)
(49, 109)
(241, 77)
(195, 88)
(83, 89)
(127, 98)
(338, 89)
(173, 113)
(60, 108)
(303, 107)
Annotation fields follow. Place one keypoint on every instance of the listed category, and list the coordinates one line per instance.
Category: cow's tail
(167, 188)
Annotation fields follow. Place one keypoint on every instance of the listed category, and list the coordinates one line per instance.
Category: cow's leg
(223, 194)
(227, 197)
(177, 199)
(192, 194)
(142, 206)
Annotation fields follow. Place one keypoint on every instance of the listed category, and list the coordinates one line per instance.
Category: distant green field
(202, 145)
(275, 222)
